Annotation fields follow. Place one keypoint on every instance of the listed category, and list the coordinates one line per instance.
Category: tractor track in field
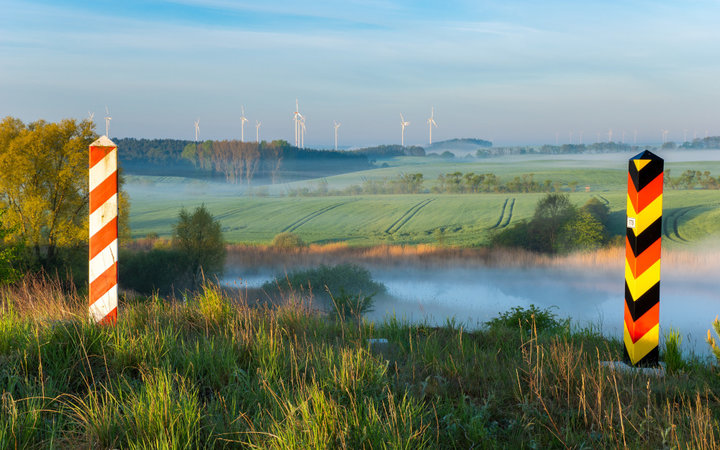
(506, 222)
(307, 218)
(603, 199)
(671, 226)
(407, 216)
(502, 213)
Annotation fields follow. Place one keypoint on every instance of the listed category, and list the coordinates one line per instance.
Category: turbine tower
(336, 125)
(403, 124)
(610, 135)
(302, 132)
(107, 121)
(296, 118)
(243, 119)
(431, 122)
(197, 129)
(257, 131)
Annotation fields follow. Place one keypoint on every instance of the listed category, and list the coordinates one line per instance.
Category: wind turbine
(403, 124)
(107, 121)
(197, 128)
(296, 118)
(91, 116)
(243, 119)
(610, 135)
(431, 122)
(302, 132)
(664, 135)
(257, 131)
(336, 125)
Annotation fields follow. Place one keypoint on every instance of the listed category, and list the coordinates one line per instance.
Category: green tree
(551, 213)
(582, 232)
(44, 188)
(199, 239)
(597, 209)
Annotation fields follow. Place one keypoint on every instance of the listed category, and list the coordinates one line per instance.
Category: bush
(9, 257)
(352, 305)
(157, 270)
(542, 319)
(287, 240)
(324, 281)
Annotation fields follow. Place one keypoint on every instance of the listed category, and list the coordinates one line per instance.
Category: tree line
(691, 179)
(449, 183)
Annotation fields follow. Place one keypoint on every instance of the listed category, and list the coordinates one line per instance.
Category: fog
(588, 296)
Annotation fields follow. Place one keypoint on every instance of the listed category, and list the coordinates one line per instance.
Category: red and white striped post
(103, 268)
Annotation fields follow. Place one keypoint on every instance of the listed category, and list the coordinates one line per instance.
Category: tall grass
(212, 372)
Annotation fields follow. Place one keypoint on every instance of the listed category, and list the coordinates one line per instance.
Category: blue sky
(514, 71)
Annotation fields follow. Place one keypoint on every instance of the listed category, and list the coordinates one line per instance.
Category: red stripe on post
(103, 238)
(644, 260)
(640, 200)
(640, 327)
(103, 283)
(103, 192)
(98, 153)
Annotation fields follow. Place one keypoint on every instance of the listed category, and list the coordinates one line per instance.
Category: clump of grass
(673, 357)
(711, 340)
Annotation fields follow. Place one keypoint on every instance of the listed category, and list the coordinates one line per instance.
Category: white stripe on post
(103, 227)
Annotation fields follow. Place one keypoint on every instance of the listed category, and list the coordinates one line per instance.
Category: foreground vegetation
(213, 372)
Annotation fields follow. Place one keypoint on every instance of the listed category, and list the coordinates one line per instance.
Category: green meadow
(257, 214)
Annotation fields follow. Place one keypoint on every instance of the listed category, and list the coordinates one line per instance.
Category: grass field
(212, 372)
(691, 217)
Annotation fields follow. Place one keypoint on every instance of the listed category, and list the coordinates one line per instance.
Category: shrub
(517, 316)
(324, 281)
(287, 240)
(157, 270)
(352, 305)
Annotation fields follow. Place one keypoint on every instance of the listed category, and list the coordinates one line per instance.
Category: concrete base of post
(620, 366)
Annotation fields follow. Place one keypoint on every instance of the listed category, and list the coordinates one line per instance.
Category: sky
(514, 72)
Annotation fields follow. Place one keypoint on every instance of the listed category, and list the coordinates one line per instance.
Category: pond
(589, 296)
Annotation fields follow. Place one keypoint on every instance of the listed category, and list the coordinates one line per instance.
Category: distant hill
(388, 151)
(460, 146)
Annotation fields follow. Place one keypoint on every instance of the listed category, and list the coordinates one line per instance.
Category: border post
(103, 227)
(641, 332)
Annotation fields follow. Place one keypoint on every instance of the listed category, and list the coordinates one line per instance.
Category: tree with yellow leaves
(44, 186)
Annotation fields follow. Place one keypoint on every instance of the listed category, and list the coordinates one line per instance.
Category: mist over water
(588, 296)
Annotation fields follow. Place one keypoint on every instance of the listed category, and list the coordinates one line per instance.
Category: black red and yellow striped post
(642, 259)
